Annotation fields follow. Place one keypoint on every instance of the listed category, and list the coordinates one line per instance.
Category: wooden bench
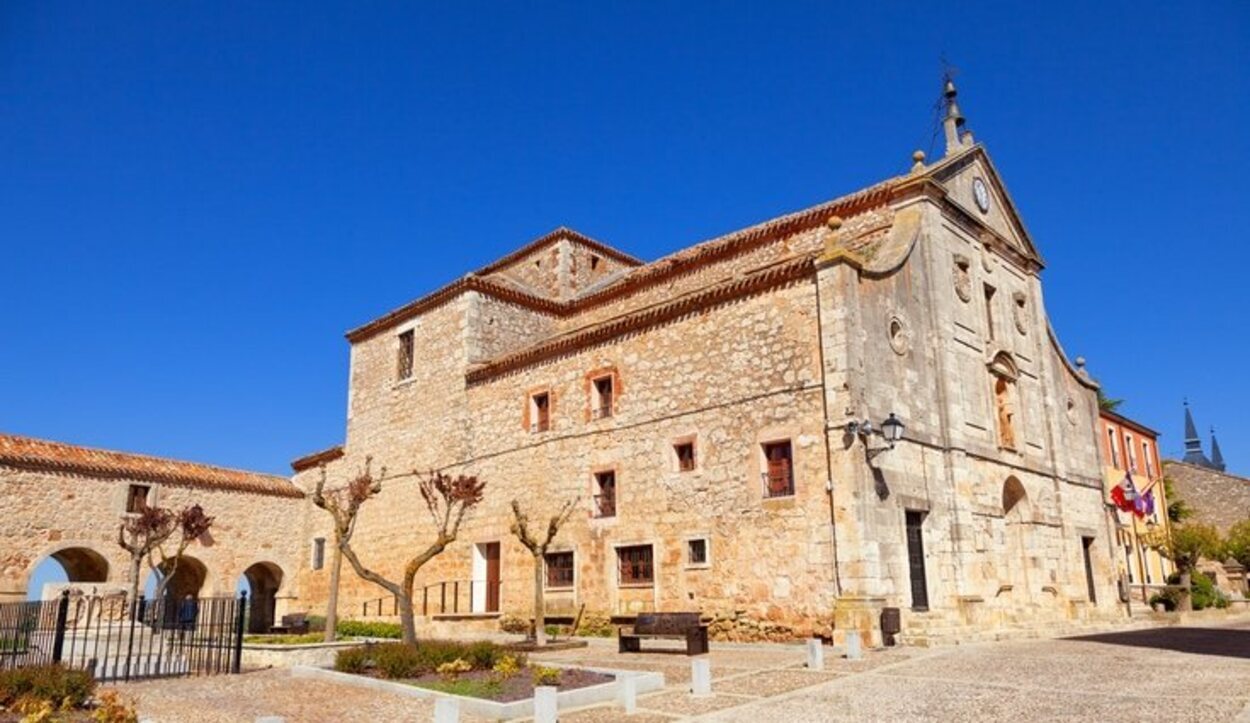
(668, 626)
(295, 624)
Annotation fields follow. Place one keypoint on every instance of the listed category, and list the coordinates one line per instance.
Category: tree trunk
(540, 618)
(136, 568)
(332, 604)
(1186, 603)
(406, 619)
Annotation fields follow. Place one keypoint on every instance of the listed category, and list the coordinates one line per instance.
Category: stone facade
(66, 502)
(1217, 498)
(920, 296)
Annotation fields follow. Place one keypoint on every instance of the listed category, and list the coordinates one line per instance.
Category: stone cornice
(754, 282)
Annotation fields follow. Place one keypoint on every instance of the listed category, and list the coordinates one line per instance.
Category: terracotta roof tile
(39, 454)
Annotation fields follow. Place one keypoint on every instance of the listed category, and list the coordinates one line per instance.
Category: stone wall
(59, 514)
(1217, 498)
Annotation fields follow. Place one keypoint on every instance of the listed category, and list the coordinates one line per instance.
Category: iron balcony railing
(778, 479)
(448, 597)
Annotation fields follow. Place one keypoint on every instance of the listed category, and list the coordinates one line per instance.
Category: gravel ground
(1191, 674)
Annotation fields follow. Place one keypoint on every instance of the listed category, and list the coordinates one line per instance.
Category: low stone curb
(577, 698)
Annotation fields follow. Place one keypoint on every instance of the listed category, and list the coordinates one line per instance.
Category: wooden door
(915, 561)
(492, 577)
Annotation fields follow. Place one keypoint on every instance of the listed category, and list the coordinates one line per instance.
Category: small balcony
(778, 480)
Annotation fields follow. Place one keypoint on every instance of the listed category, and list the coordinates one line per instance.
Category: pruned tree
(145, 535)
(1185, 547)
(538, 548)
(343, 504)
(447, 499)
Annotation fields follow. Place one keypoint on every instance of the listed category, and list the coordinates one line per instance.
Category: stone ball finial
(917, 158)
(834, 223)
(1080, 362)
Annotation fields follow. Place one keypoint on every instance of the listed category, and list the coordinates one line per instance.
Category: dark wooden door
(915, 561)
(1086, 543)
(492, 577)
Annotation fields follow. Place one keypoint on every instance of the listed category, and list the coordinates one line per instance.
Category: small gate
(117, 639)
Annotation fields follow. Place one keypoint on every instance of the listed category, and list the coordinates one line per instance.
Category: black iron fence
(119, 639)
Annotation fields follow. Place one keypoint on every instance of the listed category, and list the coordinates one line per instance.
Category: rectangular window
(601, 403)
(1131, 452)
(1150, 465)
(1113, 448)
(989, 311)
(779, 469)
(635, 565)
(137, 498)
(696, 552)
(605, 494)
(406, 341)
(319, 553)
(540, 412)
(559, 569)
(685, 456)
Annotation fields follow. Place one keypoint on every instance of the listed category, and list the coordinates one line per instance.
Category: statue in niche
(1006, 414)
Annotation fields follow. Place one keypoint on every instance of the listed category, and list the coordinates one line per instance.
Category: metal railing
(778, 480)
(449, 597)
(605, 505)
(119, 639)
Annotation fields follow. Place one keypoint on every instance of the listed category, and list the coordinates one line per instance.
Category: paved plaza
(1157, 674)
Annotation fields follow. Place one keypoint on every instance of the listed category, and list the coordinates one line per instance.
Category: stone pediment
(974, 185)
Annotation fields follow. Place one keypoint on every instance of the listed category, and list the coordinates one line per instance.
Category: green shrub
(514, 624)
(596, 625)
(546, 676)
(1165, 600)
(368, 629)
(399, 661)
(54, 683)
(1203, 592)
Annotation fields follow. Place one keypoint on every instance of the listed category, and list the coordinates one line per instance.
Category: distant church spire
(1217, 459)
(1193, 445)
(957, 137)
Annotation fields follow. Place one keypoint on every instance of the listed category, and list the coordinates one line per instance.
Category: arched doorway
(263, 580)
(67, 565)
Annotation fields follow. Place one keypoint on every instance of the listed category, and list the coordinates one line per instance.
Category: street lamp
(891, 430)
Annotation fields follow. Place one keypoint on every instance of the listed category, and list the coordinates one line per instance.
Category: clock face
(981, 194)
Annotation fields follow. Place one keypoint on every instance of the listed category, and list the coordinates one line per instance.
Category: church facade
(789, 428)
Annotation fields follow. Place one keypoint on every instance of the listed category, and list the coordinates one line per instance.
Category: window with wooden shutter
(406, 344)
(137, 498)
(540, 412)
(559, 569)
(779, 469)
(605, 494)
(319, 553)
(601, 404)
(635, 565)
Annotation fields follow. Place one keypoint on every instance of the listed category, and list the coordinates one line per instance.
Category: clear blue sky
(198, 199)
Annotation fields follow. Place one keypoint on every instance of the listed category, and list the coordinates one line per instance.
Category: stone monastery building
(725, 418)
(717, 415)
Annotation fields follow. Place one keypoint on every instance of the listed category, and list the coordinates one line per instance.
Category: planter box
(493, 710)
(258, 655)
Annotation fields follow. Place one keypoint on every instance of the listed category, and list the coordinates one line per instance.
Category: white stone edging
(603, 693)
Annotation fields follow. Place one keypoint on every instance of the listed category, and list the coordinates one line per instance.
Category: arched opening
(69, 565)
(188, 578)
(262, 580)
(1015, 500)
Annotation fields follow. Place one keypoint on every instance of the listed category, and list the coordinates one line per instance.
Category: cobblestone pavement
(1195, 673)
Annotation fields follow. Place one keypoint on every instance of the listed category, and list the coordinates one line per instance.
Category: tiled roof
(44, 455)
(315, 459)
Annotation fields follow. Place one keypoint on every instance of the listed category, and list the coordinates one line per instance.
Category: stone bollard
(853, 649)
(815, 654)
(446, 710)
(627, 694)
(700, 676)
(545, 706)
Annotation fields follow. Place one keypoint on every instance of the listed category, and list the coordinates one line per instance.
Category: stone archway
(188, 579)
(1018, 519)
(263, 580)
(79, 563)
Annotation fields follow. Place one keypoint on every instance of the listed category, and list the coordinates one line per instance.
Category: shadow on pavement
(1199, 641)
